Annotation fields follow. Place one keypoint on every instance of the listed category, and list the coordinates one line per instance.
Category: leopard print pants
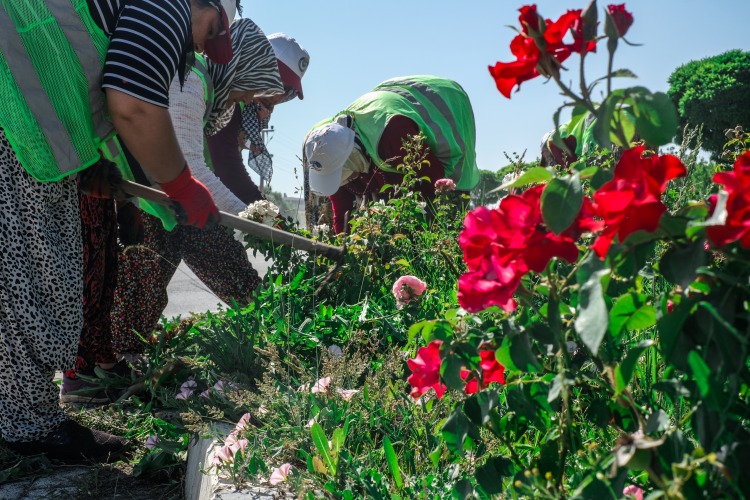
(41, 288)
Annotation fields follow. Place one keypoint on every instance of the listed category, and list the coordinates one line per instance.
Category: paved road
(188, 294)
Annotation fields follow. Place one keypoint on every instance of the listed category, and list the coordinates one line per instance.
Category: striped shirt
(149, 40)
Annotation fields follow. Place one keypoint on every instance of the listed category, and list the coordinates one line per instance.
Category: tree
(713, 93)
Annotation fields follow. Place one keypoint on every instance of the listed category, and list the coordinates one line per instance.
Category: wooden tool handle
(247, 226)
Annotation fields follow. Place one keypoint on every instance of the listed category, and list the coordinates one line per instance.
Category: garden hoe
(247, 226)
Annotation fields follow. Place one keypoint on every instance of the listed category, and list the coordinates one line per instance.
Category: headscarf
(253, 67)
(259, 159)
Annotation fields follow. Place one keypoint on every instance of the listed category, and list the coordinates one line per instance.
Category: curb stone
(202, 482)
(60, 483)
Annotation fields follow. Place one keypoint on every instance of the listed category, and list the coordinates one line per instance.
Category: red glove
(192, 203)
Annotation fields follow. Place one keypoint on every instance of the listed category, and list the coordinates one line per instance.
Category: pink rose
(407, 289)
(633, 491)
(444, 185)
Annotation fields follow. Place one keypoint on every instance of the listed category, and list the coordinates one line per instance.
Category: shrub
(708, 93)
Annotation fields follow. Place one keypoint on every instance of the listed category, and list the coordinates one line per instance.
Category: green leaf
(558, 384)
(392, 459)
(623, 73)
(671, 336)
(588, 172)
(644, 317)
(701, 373)
(593, 318)
(561, 201)
(450, 372)
(621, 311)
(680, 264)
(556, 137)
(603, 123)
(321, 443)
(515, 354)
(457, 429)
(489, 476)
(658, 421)
(624, 371)
(337, 440)
(655, 118)
(479, 406)
(534, 175)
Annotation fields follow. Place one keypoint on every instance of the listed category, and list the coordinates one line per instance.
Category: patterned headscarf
(253, 67)
(259, 159)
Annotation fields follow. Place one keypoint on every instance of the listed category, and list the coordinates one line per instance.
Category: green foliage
(707, 93)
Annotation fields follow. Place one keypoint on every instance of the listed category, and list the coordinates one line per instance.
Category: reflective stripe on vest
(200, 69)
(80, 40)
(440, 108)
(52, 136)
(37, 99)
(437, 101)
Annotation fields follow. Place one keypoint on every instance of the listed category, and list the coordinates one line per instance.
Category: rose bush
(619, 318)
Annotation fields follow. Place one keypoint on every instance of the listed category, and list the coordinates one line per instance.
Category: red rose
(621, 17)
(500, 246)
(492, 371)
(580, 44)
(508, 75)
(425, 370)
(530, 61)
(529, 18)
(737, 223)
(632, 200)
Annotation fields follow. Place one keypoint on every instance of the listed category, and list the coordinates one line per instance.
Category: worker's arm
(227, 161)
(148, 134)
(187, 106)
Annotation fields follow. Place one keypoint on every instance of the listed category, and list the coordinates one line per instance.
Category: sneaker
(79, 391)
(74, 443)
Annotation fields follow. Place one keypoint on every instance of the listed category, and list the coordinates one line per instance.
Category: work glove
(130, 229)
(191, 201)
(102, 180)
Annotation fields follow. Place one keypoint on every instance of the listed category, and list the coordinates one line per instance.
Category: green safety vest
(441, 109)
(52, 108)
(162, 212)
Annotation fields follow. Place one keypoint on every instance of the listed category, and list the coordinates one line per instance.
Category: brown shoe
(74, 443)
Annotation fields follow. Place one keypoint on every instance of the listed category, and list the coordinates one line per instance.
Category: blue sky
(354, 45)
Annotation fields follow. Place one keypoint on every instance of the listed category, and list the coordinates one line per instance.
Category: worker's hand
(130, 228)
(192, 202)
(101, 180)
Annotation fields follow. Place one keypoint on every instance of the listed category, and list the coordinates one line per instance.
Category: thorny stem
(610, 63)
(582, 77)
(566, 421)
(508, 445)
(569, 93)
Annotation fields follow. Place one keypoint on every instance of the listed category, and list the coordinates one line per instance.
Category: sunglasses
(288, 95)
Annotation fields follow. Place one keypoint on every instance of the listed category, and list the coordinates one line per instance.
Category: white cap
(326, 151)
(230, 7)
(294, 60)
